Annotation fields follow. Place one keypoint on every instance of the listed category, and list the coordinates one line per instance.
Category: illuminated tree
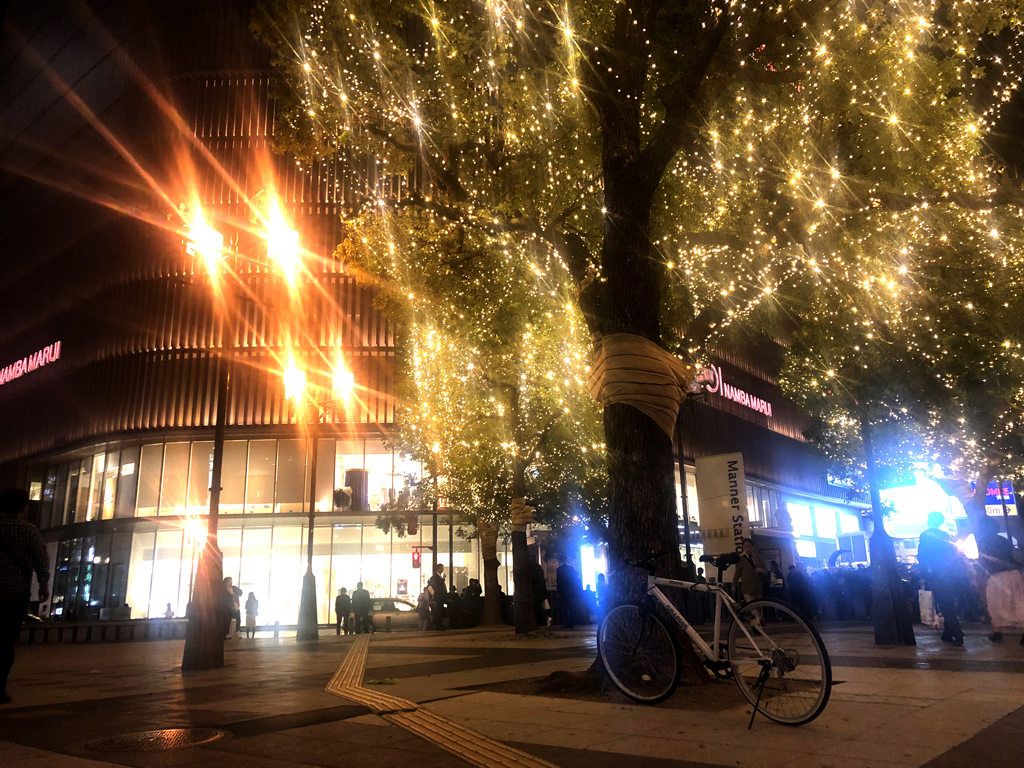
(491, 373)
(680, 164)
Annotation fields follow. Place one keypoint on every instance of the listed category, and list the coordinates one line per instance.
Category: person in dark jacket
(361, 604)
(569, 588)
(438, 591)
(946, 575)
(22, 553)
(342, 609)
(539, 583)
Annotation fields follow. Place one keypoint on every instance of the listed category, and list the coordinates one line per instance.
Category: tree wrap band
(633, 370)
(522, 515)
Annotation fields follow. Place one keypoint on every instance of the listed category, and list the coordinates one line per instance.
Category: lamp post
(204, 636)
(295, 387)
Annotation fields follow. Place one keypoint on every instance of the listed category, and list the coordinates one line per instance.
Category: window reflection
(259, 485)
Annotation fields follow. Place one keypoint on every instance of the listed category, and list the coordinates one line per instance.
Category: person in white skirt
(1004, 591)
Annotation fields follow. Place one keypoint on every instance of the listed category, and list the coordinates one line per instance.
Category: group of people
(352, 612)
(948, 576)
(231, 610)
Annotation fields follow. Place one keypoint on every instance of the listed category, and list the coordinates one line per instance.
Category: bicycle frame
(713, 651)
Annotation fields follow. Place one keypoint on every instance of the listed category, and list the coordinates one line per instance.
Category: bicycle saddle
(721, 561)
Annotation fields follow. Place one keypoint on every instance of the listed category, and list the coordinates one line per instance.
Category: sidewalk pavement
(933, 705)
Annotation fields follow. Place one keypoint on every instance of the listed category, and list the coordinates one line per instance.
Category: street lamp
(204, 638)
(294, 381)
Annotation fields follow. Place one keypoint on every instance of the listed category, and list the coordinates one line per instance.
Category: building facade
(114, 118)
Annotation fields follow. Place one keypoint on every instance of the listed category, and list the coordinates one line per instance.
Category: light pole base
(204, 635)
(308, 628)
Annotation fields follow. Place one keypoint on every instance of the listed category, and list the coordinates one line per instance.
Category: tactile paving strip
(471, 746)
(152, 741)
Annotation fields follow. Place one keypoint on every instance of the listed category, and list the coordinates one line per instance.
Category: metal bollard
(277, 629)
(387, 623)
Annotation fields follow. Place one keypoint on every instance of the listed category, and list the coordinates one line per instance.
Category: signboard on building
(32, 362)
(722, 496)
(993, 502)
(710, 379)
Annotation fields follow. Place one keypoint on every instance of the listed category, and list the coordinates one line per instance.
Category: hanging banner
(722, 499)
(994, 502)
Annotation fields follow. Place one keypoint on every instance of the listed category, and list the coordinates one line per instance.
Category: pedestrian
(361, 608)
(168, 614)
(342, 609)
(569, 588)
(749, 573)
(423, 610)
(603, 595)
(252, 610)
(539, 585)
(229, 607)
(946, 575)
(1004, 591)
(454, 609)
(796, 591)
(21, 552)
(437, 589)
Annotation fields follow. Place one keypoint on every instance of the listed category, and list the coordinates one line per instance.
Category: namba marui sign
(710, 379)
(32, 362)
(722, 500)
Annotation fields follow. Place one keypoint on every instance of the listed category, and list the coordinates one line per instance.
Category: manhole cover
(151, 741)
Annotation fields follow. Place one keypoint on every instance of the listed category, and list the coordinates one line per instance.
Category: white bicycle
(776, 658)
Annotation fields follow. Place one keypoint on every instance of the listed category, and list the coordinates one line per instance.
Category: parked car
(402, 613)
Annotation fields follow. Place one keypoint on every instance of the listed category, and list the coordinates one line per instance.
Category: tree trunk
(891, 614)
(522, 568)
(489, 551)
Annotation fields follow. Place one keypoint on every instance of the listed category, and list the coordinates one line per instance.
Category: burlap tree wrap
(633, 370)
(522, 515)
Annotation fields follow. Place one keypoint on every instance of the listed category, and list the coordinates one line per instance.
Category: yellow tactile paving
(473, 747)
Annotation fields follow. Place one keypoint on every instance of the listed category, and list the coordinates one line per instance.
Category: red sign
(28, 364)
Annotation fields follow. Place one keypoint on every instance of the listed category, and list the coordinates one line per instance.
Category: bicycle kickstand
(761, 680)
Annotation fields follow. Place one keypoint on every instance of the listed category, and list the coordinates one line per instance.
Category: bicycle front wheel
(779, 662)
(638, 653)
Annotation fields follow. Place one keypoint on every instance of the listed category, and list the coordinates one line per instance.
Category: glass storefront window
(129, 482)
(150, 470)
(849, 523)
(291, 475)
(800, 514)
(259, 484)
(199, 478)
(113, 466)
(175, 479)
(346, 557)
(325, 464)
(47, 493)
(254, 572)
(84, 478)
(60, 498)
(230, 542)
(167, 572)
(286, 568)
(825, 518)
(96, 488)
(692, 505)
(232, 477)
(381, 480)
(140, 572)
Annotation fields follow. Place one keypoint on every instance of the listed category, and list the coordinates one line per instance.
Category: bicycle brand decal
(31, 363)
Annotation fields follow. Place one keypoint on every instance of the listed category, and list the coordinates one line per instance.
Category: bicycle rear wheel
(638, 653)
(782, 667)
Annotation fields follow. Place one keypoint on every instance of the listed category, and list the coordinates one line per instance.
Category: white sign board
(722, 500)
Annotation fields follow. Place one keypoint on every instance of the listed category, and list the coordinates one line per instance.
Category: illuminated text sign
(28, 364)
(710, 380)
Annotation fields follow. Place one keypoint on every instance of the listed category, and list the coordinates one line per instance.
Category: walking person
(342, 609)
(252, 610)
(946, 574)
(423, 610)
(569, 587)
(1004, 591)
(22, 552)
(361, 608)
(437, 589)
